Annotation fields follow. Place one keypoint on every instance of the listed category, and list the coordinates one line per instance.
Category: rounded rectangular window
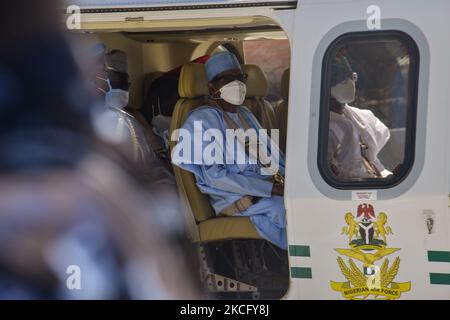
(368, 110)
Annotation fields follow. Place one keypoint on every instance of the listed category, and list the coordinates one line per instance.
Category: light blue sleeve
(217, 176)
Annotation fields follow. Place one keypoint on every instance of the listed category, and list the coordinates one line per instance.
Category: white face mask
(234, 92)
(344, 92)
(116, 98)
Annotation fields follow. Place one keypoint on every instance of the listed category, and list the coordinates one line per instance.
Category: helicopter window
(368, 110)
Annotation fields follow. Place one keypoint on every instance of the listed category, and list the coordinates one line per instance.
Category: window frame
(411, 114)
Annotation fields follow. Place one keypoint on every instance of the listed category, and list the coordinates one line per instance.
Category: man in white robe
(356, 136)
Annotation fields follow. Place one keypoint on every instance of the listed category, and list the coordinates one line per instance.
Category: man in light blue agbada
(236, 188)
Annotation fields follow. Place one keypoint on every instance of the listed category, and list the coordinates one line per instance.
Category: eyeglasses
(232, 77)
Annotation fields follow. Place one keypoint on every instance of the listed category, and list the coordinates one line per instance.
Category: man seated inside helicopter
(356, 136)
(235, 187)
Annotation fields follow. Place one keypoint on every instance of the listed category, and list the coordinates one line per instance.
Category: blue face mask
(116, 98)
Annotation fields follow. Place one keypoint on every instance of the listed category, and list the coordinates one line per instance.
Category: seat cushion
(192, 83)
(281, 111)
(263, 112)
(255, 98)
(285, 85)
(198, 201)
(256, 82)
(224, 228)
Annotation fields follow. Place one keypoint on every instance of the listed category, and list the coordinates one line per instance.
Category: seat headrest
(192, 82)
(285, 84)
(256, 82)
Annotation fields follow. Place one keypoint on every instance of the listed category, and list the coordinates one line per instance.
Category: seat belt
(276, 176)
(370, 167)
(124, 121)
(239, 206)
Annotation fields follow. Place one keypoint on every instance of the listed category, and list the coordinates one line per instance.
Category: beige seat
(255, 99)
(281, 110)
(192, 89)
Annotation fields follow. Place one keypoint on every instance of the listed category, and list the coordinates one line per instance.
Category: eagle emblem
(367, 243)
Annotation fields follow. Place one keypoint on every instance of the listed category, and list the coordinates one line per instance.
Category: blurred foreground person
(73, 223)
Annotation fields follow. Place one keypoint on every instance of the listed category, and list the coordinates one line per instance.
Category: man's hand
(278, 189)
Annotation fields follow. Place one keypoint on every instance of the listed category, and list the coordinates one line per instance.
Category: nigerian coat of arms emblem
(367, 274)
